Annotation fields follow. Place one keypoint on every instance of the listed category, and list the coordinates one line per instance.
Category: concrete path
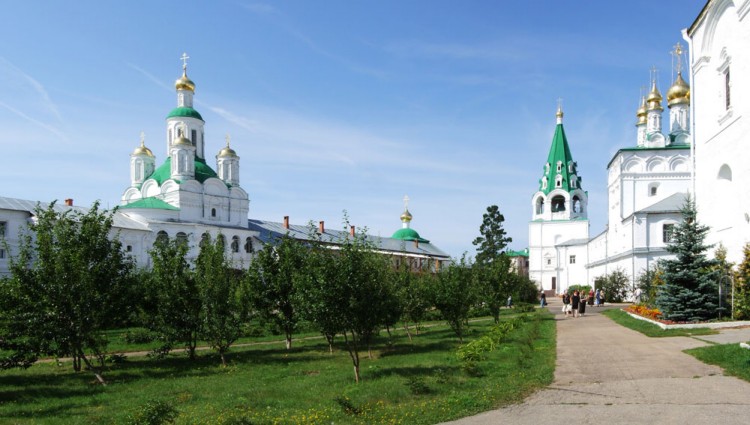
(608, 374)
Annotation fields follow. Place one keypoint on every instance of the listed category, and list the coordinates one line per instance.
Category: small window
(653, 191)
(249, 245)
(182, 238)
(549, 261)
(572, 259)
(3, 225)
(235, 244)
(2, 253)
(558, 181)
(129, 248)
(725, 173)
(727, 90)
(213, 212)
(162, 237)
(667, 233)
(559, 166)
(194, 135)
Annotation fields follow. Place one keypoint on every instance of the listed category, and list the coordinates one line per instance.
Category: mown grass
(410, 383)
(651, 330)
(734, 359)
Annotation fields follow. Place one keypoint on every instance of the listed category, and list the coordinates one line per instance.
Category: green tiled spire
(560, 171)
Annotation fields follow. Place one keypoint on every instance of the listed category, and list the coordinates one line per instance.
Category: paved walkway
(608, 374)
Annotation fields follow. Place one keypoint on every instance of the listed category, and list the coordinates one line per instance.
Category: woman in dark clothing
(575, 300)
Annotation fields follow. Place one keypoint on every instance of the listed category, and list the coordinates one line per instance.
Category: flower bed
(642, 310)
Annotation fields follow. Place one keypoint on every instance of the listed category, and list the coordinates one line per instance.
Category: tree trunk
(354, 354)
(96, 372)
(329, 338)
(223, 359)
(288, 341)
(408, 333)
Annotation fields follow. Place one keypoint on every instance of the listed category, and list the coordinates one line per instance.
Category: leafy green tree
(174, 299)
(319, 297)
(274, 278)
(222, 298)
(67, 283)
(453, 293)
(615, 285)
(493, 240)
(411, 288)
(492, 269)
(690, 291)
(649, 282)
(742, 287)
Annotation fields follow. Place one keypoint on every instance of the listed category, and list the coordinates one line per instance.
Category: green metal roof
(151, 203)
(164, 172)
(408, 234)
(559, 153)
(521, 253)
(185, 111)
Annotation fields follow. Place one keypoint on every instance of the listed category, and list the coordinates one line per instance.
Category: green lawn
(409, 383)
(731, 357)
(651, 330)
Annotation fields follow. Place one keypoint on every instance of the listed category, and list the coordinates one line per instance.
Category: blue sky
(335, 105)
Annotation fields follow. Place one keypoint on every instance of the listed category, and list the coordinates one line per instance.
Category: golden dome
(184, 83)
(227, 151)
(654, 99)
(679, 93)
(143, 150)
(641, 113)
(182, 140)
(406, 216)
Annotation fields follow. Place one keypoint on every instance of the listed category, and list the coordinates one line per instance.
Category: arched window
(558, 203)
(162, 237)
(653, 189)
(213, 212)
(558, 181)
(540, 205)
(573, 180)
(559, 166)
(205, 239)
(249, 245)
(544, 183)
(235, 243)
(577, 205)
(182, 238)
(725, 173)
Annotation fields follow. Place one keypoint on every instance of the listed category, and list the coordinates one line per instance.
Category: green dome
(164, 172)
(408, 234)
(185, 111)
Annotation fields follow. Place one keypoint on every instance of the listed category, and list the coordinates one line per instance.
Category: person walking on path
(542, 300)
(591, 296)
(601, 298)
(509, 304)
(566, 303)
(575, 300)
(598, 297)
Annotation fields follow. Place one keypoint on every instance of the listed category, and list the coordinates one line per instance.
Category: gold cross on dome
(184, 59)
(143, 138)
(677, 54)
(227, 138)
(406, 201)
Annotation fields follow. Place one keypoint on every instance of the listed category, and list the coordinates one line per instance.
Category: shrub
(524, 308)
(417, 385)
(139, 336)
(154, 412)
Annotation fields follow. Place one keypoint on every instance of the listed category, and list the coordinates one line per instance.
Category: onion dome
(227, 151)
(182, 140)
(641, 113)
(679, 93)
(143, 150)
(184, 83)
(654, 99)
(406, 216)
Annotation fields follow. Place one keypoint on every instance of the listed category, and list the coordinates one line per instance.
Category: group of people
(575, 304)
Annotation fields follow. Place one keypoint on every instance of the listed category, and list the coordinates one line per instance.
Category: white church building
(700, 153)
(183, 198)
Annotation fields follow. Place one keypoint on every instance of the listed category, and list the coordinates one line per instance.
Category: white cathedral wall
(543, 237)
(721, 42)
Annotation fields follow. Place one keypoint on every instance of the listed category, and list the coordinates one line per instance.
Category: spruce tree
(742, 287)
(690, 291)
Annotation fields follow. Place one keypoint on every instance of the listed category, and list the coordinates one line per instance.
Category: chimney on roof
(322, 227)
(69, 202)
(352, 230)
(286, 221)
